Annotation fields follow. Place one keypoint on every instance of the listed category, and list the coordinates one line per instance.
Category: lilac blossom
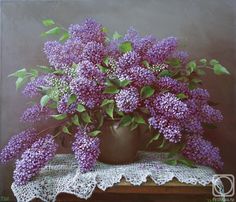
(202, 152)
(33, 87)
(172, 85)
(63, 106)
(33, 159)
(56, 55)
(88, 92)
(182, 56)
(35, 113)
(94, 52)
(140, 44)
(160, 51)
(88, 70)
(128, 60)
(138, 75)
(170, 106)
(88, 31)
(17, 144)
(86, 150)
(211, 115)
(169, 128)
(127, 99)
(73, 48)
(200, 95)
(112, 49)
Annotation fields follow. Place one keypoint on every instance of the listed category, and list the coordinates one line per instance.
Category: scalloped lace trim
(63, 175)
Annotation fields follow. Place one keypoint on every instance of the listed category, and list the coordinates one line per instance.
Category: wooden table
(147, 192)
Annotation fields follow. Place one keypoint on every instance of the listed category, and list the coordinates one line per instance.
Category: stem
(54, 126)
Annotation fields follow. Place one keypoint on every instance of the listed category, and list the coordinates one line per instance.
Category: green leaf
(174, 62)
(53, 105)
(201, 72)
(154, 138)
(80, 108)
(95, 133)
(71, 99)
(186, 162)
(125, 83)
(120, 113)
(125, 121)
(125, 47)
(106, 102)
(165, 73)
(106, 60)
(44, 100)
(133, 126)
(181, 96)
(20, 73)
(48, 22)
(34, 72)
(139, 119)
(109, 110)
(172, 162)
(111, 90)
(214, 62)
(203, 61)
(59, 116)
(145, 63)
(105, 29)
(64, 36)
(103, 69)
(75, 120)
(53, 31)
(147, 91)
(20, 82)
(162, 144)
(66, 130)
(196, 80)
(59, 71)
(116, 35)
(45, 69)
(172, 154)
(101, 121)
(86, 118)
(192, 66)
(219, 69)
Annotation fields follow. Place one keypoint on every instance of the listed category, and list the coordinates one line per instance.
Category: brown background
(207, 27)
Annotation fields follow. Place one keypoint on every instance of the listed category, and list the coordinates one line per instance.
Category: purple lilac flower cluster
(86, 150)
(160, 51)
(200, 112)
(17, 144)
(88, 31)
(167, 112)
(201, 151)
(63, 107)
(127, 99)
(87, 91)
(34, 158)
(35, 113)
(32, 88)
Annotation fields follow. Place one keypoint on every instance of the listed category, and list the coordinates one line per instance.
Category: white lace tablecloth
(63, 175)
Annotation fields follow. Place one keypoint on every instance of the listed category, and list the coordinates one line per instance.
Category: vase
(118, 144)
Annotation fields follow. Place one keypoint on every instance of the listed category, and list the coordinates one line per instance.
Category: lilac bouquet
(91, 77)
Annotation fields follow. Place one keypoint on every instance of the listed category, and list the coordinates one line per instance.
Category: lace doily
(63, 175)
